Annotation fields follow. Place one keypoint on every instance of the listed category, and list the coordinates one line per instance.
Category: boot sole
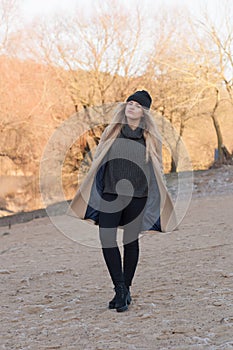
(122, 309)
(113, 306)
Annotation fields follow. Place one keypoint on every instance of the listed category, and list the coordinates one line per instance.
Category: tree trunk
(174, 162)
(217, 128)
(219, 138)
(173, 166)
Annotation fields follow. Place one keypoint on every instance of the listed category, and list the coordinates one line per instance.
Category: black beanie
(142, 97)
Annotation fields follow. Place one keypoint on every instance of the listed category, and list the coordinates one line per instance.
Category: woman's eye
(130, 103)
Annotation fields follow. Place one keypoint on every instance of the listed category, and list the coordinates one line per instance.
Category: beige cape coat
(157, 207)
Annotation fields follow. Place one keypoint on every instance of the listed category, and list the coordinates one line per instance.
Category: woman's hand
(91, 221)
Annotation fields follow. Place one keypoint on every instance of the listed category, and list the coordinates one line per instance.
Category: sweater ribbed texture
(127, 161)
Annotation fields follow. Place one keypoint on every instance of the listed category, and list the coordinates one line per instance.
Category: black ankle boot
(128, 296)
(112, 303)
(121, 303)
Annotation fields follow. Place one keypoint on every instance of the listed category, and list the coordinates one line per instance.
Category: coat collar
(130, 133)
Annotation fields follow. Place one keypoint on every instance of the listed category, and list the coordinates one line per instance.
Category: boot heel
(121, 297)
(129, 298)
(112, 303)
(122, 309)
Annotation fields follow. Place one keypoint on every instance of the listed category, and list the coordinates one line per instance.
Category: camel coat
(159, 213)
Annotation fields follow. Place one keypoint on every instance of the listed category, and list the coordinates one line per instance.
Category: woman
(124, 188)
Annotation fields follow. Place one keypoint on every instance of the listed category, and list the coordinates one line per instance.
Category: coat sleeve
(160, 155)
(101, 143)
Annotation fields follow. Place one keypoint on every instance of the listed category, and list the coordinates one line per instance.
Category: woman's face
(133, 110)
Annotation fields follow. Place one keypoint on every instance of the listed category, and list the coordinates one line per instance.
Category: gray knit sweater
(126, 160)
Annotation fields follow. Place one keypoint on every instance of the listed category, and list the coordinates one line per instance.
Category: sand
(54, 292)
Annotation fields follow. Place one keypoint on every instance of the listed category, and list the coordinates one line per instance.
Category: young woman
(124, 188)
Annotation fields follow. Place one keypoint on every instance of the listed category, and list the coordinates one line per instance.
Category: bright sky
(31, 8)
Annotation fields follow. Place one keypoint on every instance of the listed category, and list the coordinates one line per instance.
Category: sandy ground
(54, 292)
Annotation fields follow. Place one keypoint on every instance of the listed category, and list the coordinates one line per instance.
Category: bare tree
(9, 25)
(220, 35)
(220, 57)
(99, 53)
(173, 74)
(189, 74)
(93, 58)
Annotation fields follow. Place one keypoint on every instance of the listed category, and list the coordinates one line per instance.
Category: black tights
(130, 216)
(112, 258)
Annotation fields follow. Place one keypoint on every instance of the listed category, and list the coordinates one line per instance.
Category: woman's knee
(107, 237)
(132, 245)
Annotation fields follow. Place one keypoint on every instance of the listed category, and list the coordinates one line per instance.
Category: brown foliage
(71, 65)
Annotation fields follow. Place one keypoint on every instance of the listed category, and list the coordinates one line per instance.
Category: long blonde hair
(151, 134)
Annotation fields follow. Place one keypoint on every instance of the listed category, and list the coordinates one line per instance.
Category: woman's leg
(113, 261)
(132, 216)
(108, 223)
(130, 261)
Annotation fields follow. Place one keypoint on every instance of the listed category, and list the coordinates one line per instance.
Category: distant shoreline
(210, 183)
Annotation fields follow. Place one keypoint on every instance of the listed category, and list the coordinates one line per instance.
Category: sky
(32, 8)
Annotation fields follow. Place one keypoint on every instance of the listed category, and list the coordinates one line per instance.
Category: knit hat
(142, 97)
